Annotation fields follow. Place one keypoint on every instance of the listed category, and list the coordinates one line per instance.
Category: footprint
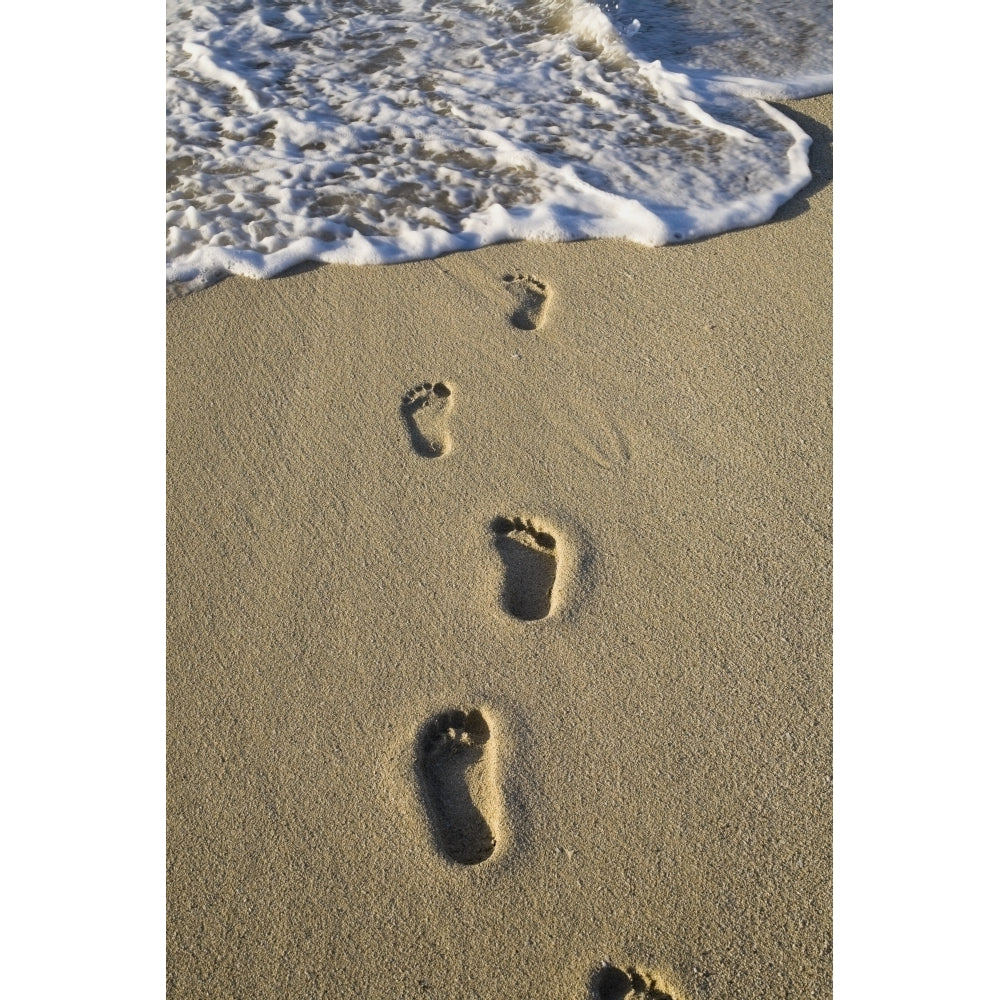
(530, 300)
(425, 412)
(612, 983)
(529, 557)
(458, 769)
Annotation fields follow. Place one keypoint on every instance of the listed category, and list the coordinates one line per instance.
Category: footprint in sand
(529, 558)
(530, 300)
(425, 412)
(612, 983)
(457, 766)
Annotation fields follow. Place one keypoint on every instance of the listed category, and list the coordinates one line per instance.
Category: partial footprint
(530, 300)
(457, 765)
(529, 558)
(425, 412)
(612, 983)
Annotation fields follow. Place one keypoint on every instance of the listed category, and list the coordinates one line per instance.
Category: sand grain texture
(658, 771)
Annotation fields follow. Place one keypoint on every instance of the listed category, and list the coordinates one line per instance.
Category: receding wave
(757, 48)
(384, 130)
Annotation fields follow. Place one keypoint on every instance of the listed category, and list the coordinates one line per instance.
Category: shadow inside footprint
(612, 983)
(530, 298)
(425, 410)
(455, 775)
(529, 558)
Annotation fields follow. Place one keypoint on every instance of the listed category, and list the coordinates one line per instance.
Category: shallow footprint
(425, 412)
(459, 777)
(612, 983)
(530, 299)
(529, 558)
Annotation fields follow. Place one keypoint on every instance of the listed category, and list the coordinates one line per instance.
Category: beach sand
(499, 627)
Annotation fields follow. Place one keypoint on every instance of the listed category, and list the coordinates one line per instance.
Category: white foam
(388, 130)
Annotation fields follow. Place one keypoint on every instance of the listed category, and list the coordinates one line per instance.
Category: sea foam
(375, 131)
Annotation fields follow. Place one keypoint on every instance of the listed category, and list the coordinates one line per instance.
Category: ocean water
(758, 48)
(376, 131)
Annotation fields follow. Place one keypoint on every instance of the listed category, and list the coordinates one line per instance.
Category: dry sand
(497, 653)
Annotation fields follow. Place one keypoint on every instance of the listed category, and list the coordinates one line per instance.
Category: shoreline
(822, 172)
(352, 576)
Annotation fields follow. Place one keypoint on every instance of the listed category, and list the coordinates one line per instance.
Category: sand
(499, 650)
